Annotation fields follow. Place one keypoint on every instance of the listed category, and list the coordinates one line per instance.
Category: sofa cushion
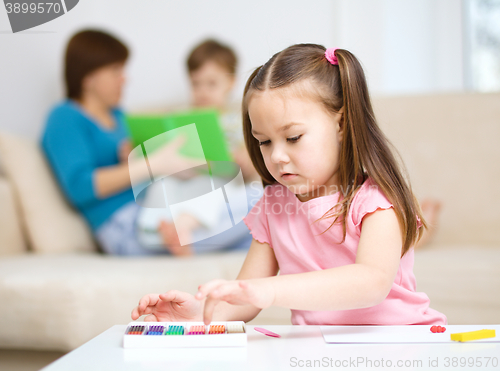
(462, 281)
(11, 237)
(449, 143)
(51, 224)
(58, 302)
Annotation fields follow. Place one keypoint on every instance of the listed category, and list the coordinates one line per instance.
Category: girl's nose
(279, 155)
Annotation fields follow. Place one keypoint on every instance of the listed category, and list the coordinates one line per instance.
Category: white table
(297, 346)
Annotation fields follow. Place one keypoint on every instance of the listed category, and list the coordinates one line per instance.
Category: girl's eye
(294, 139)
(290, 140)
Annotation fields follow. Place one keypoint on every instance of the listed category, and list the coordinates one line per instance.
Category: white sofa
(57, 291)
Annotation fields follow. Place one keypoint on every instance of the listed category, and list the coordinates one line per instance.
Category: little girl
(337, 218)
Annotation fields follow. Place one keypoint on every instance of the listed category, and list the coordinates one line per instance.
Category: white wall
(406, 46)
(160, 34)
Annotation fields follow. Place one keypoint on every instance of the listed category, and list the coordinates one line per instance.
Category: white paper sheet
(400, 334)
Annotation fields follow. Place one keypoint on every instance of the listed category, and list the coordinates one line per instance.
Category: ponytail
(366, 152)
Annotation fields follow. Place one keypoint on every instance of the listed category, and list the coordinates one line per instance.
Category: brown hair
(364, 151)
(212, 50)
(87, 51)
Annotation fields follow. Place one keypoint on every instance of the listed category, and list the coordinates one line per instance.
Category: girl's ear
(341, 123)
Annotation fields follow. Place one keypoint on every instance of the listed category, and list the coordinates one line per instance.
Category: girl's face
(211, 85)
(106, 84)
(299, 140)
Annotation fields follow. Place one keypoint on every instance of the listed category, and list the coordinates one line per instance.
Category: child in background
(212, 74)
(337, 220)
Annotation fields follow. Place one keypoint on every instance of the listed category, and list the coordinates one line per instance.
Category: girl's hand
(257, 292)
(172, 306)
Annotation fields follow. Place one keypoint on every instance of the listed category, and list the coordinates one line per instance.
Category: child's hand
(167, 160)
(172, 306)
(257, 292)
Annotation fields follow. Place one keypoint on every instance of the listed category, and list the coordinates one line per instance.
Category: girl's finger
(204, 290)
(142, 308)
(175, 296)
(135, 313)
(148, 310)
(147, 300)
(208, 310)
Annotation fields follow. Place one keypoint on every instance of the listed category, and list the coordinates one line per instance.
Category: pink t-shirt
(280, 219)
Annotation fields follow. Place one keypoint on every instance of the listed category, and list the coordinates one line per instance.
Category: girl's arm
(363, 284)
(260, 262)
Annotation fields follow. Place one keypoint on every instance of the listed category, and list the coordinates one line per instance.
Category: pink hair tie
(330, 56)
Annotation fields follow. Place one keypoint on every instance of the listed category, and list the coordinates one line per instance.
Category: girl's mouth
(288, 176)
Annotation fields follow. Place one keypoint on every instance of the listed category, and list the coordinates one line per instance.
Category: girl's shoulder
(368, 190)
(368, 198)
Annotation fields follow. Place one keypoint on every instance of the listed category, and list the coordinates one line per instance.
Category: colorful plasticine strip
(197, 330)
(175, 330)
(155, 330)
(217, 329)
(135, 330)
(473, 335)
(235, 328)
